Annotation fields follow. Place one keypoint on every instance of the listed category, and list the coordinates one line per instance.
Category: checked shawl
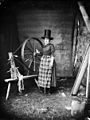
(45, 71)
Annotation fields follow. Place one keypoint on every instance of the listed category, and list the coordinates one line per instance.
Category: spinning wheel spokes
(28, 53)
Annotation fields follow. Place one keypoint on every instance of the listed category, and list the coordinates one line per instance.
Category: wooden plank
(8, 90)
(24, 77)
(84, 15)
(80, 73)
(88, 75)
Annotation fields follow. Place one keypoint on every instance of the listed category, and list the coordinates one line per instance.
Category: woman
(47, 77)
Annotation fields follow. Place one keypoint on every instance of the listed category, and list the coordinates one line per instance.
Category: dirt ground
(34, 105)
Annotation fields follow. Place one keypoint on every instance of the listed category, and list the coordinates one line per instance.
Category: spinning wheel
(29, 56)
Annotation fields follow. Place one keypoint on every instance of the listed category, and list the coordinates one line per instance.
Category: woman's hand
(36, 52)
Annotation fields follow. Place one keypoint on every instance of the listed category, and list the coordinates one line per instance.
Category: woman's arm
(52, 49)
(52, 55)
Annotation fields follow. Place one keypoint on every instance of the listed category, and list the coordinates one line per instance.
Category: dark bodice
(48, 49)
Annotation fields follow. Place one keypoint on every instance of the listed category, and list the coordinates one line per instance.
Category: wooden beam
(84, 15)
(80, 73)
(88, 76)
(8, 90)
(24, 77)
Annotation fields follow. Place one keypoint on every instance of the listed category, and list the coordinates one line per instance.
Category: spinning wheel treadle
(28, 55)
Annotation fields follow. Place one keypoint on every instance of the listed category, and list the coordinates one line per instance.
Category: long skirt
(45, 77)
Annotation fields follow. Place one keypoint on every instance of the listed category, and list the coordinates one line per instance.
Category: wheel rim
(27, 53)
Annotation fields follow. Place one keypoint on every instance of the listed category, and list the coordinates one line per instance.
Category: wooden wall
(32, 22)
(30, 19)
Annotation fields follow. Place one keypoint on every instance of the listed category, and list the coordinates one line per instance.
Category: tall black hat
(47, 34)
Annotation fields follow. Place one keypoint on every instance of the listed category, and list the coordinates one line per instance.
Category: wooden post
(84, 15)
(8, 90)
(80, 73)
(88, 75)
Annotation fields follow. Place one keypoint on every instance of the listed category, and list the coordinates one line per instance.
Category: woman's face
(46, 41)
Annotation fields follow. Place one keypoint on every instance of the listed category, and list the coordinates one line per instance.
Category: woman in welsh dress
(47, 71)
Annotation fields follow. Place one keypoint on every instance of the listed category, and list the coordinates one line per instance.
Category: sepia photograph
(44, 60)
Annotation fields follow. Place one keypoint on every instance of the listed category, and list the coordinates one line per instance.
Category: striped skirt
(45, 72)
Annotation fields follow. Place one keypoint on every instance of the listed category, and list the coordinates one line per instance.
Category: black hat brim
(51, 38)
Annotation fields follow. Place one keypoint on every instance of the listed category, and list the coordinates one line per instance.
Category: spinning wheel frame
(28, 50)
